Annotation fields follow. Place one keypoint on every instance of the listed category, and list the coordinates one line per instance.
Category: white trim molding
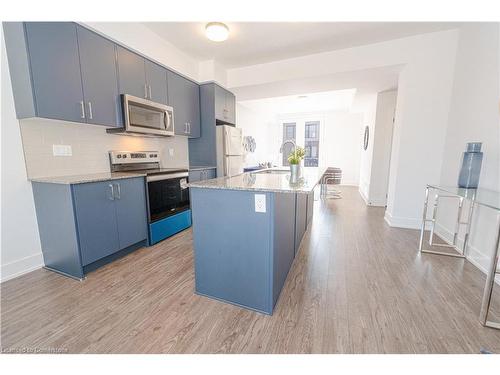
(402, 222)
(21, 266)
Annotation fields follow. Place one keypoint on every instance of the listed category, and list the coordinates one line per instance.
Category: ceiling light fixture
(216, 31)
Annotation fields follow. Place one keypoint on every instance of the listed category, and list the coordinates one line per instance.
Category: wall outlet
(171, 151)
(260, 203)
(62, 150)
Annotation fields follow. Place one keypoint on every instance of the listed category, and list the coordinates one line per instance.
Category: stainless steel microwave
(145, 118)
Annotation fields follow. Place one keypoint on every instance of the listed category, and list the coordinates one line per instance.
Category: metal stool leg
(433, 223)
(488, 288)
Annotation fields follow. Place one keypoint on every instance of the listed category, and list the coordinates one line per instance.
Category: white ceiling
(259, 42)
(338, 100)
(365, 81)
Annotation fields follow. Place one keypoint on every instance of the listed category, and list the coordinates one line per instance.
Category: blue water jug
(471, 166)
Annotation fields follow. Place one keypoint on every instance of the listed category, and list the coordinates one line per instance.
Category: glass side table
(476, 197)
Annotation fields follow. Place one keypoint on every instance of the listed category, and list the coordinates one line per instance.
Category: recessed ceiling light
(216, 31)
(302, 97)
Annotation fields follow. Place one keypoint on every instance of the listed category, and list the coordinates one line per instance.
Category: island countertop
(272, 180)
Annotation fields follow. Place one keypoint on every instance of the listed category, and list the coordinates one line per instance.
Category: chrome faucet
(288, 141)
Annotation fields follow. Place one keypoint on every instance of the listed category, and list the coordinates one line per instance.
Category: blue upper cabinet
(55, 68)
(61, 70)
(217, 106)
(220, 103)
(131, 73)
(230, 107)
(184, 97)
(156, 82)
(99, 78)
(141, 77)
(225, 105)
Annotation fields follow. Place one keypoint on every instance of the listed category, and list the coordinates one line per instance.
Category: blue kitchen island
(247, 230)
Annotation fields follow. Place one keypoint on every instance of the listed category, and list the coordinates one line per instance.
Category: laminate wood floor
(357, 286)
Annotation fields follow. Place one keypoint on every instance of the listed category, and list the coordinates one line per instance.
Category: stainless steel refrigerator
(229, 151)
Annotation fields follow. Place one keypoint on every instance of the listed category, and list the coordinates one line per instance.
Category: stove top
(154, 171)
(147, 162)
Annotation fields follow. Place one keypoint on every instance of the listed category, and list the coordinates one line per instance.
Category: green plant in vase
(296, 156)
(294, 159)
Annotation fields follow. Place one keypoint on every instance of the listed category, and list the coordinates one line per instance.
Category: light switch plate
(260, 203)
(62, 150)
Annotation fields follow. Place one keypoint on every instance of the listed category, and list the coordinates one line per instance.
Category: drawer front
(161, 229)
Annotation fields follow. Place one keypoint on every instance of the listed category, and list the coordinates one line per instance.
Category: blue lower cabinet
(84, 226)
(164, 228)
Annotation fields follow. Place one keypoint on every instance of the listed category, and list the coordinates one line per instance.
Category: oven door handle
(165, 177)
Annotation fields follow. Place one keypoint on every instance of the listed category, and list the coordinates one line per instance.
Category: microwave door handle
(167, 120)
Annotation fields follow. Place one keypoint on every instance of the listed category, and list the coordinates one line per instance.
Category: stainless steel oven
(145, 117)
(167, 191)
(168, 194)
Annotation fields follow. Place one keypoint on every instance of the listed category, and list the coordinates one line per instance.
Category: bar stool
(332, 176)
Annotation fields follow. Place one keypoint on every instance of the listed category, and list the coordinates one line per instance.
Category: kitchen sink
(278, 171)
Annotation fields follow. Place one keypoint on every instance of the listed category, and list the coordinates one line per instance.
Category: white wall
(424, 92)
(20, 241)
(474, 116)
(367, 105)
(211, 70)
(258, 125)
(340, 140)
(382, 145)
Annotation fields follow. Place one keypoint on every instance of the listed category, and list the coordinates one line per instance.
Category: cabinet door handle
(189, 128)
(90, 111)
(150, 92)
(83, 109)
(112, 195)
(145, 91)
(118, 191)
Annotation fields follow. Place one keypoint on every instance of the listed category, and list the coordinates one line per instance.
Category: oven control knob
(152, 155)
(119, 156)
(124, 156)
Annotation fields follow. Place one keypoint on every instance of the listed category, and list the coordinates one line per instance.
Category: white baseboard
(21, 266)
(363, 195)
(402, 222)
(371, 202)
(377, 203)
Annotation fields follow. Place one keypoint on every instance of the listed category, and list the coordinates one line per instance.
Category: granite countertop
(84, 178)
(201, 167)
(262, 181)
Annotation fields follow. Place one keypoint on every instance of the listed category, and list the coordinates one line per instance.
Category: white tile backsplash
(90, 145)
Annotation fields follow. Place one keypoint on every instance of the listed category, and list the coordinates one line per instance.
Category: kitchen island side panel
(233, 247)
(284, 240)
